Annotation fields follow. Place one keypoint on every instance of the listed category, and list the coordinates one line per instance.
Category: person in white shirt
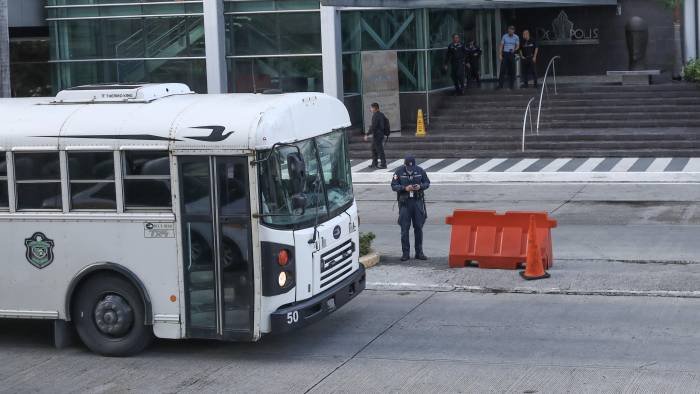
(510, 44)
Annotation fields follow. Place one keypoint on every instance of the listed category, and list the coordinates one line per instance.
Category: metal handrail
(544, 87)
(528, 111)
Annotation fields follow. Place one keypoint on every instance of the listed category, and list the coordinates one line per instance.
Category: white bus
(136, 211)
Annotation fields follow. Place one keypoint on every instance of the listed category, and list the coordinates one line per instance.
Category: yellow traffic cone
(420, 125)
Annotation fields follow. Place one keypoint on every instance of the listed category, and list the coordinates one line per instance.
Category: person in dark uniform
(456, 58)
(409, 183)
(473, 63)
(378, 130)
(510, 43)
(528, 62)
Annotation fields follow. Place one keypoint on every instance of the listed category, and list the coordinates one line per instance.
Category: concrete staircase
(581, 121)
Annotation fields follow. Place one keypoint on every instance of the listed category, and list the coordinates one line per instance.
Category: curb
(543, 177)
(402, 286)
(370, 260)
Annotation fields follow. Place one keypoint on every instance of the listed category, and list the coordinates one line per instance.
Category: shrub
(366, 242)
(691, 71)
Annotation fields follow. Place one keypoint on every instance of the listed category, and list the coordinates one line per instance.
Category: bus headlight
(283, 278)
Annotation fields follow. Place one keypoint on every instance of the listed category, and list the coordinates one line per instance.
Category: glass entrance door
(215, 209)
(488, 37)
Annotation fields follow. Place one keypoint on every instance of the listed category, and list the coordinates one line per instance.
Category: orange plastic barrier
(497, 241)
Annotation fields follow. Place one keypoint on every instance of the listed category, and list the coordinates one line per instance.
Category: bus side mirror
(297, 172)
(299, 203)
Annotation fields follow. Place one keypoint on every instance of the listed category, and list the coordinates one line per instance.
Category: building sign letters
(563, 32)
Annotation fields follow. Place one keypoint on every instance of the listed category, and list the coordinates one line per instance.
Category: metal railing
(170, 42)
(528, 113)
(544, 88)
(528, 109)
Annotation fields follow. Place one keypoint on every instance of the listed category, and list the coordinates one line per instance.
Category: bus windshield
(328, 185)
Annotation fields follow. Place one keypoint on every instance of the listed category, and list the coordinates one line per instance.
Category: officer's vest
(407, 179)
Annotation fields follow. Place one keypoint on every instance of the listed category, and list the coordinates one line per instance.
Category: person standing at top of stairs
(510, 44)
(457, 57)
(473, 63)
(528, 53)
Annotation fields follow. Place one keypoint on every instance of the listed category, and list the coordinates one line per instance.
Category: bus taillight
(283, 257)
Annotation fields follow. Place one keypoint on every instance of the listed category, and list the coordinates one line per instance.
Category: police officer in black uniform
(456, 57)
(528, 63)
(473, 63)
(410, 183)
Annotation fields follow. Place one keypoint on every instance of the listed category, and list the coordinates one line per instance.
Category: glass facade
(273, 45)
(269, 44)
(420, 36)
(29, 67)
(102, 41)
(376, 30)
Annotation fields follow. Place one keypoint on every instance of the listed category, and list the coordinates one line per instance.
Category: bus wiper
(317, 183)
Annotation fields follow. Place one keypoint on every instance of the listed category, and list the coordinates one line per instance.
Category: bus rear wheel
(108, 314)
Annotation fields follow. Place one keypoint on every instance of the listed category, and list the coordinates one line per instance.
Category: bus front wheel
(108, 314)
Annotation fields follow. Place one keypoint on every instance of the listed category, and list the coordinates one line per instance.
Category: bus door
(217, 246)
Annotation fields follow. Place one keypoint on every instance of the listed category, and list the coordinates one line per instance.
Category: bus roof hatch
(120, 93)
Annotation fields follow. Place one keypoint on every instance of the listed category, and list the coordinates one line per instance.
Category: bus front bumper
(303, 313)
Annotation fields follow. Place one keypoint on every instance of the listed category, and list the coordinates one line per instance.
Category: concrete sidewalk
(633, 243)
(616, 239)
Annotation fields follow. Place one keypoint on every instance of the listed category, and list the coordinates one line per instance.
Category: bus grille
(336, 263)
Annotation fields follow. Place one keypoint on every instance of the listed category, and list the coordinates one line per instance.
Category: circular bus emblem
(336, 232)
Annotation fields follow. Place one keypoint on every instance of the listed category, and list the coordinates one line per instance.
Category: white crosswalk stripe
(693, 165)
(590, 164)
(659, 165)
(489, 165)
(523, 164)
(394, 165)
(624, 165)
(456, 165)
(361, 166)
(429, 163)
(555, 165)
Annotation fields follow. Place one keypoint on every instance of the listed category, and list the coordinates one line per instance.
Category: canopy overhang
(463, 3)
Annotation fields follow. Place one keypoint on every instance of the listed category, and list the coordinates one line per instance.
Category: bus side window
(4, 201)
(91, 180)
(146, 180)
(38, 181)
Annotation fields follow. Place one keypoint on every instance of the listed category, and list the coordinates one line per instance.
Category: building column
(332, 52)
(696, 26)
(690, 24)
(215, 46)
(5, 89)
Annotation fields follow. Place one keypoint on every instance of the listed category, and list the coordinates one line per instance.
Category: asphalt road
(621, 314)
(394, 341)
